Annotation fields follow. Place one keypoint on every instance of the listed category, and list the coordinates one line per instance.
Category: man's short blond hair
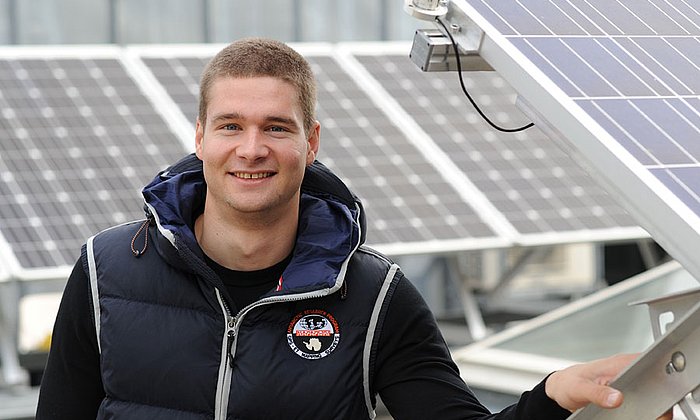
(261, 57)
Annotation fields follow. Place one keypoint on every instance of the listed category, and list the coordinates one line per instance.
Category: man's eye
(230, 127)
(278, 129)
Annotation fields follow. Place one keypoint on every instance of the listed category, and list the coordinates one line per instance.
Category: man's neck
(245, 243)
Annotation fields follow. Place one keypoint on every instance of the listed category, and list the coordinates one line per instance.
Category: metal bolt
(677, 363)
(454, 28)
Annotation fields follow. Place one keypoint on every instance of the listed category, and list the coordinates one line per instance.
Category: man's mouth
(248, 175)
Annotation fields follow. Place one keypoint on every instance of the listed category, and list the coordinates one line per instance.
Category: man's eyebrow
(282, 120)
(270, 118)
(226, 117)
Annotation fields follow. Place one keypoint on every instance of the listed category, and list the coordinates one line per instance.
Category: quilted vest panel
(162, 337)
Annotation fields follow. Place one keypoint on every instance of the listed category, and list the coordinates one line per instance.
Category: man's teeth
(252, 176)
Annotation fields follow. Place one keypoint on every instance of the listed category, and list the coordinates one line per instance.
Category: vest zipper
(230, 336)
(223, 385)
(223, 388)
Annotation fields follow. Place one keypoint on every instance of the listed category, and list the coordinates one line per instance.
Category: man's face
(253, 146)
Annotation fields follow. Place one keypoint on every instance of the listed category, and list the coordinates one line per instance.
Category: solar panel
(79, 141)
(621, 81)
(528, 178)
(409, 206)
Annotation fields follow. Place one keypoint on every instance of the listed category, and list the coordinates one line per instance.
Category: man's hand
(579, 385)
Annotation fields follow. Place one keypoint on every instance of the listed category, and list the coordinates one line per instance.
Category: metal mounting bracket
(668, 373)
(432, 49)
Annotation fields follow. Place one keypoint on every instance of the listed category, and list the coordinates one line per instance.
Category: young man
(246, 293)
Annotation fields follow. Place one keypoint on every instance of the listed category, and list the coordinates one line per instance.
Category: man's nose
(253, 145)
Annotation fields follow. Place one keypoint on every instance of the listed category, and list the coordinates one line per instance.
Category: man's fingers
(607, 397)
(612, 366)
(573, 395)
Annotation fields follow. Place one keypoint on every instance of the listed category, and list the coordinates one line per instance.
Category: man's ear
(198, 138)
(313, 143)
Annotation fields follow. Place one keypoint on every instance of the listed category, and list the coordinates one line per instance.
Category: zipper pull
(230, 336)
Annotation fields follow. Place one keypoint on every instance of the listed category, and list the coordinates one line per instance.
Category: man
(247, 293)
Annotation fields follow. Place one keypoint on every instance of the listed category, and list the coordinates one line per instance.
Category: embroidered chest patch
(313, 334)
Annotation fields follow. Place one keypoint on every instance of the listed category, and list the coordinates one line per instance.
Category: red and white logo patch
(313, 334)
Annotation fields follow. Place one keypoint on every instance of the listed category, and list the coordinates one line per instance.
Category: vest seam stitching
(117, 297)
(157, 406)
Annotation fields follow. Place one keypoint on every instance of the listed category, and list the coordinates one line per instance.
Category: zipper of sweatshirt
(230, 339)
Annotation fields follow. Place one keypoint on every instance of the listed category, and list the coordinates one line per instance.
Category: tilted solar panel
(620, 81)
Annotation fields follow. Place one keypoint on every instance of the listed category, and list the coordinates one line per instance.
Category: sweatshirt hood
(331, 224)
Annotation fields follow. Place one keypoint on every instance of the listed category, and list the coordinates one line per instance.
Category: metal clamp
(668, 373)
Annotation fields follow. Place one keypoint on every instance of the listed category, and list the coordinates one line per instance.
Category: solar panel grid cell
(71, 125)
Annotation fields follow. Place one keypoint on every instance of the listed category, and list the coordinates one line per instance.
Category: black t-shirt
(245, 287)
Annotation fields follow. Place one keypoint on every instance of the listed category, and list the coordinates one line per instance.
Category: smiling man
(255, 148)
(247, 292)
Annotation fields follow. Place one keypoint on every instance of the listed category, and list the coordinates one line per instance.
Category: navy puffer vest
(171, 348)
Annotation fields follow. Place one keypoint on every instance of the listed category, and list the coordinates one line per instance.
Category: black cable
(464, 89)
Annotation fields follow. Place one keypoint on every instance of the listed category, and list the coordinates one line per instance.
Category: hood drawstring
(143, 228)
(344, 289)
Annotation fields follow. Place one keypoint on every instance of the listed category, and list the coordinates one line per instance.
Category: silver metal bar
(472, 312)
(675, 305)
(662, 376)
(11, 373)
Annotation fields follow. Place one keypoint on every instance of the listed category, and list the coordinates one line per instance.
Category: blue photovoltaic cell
(543, 64)
(635, 48)
(563, 60)
(556, 19)
(683, 182)
(620, 135)
(519, 19)
(669, 115)
(633, 67)
(608, 66)
(644, 130)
